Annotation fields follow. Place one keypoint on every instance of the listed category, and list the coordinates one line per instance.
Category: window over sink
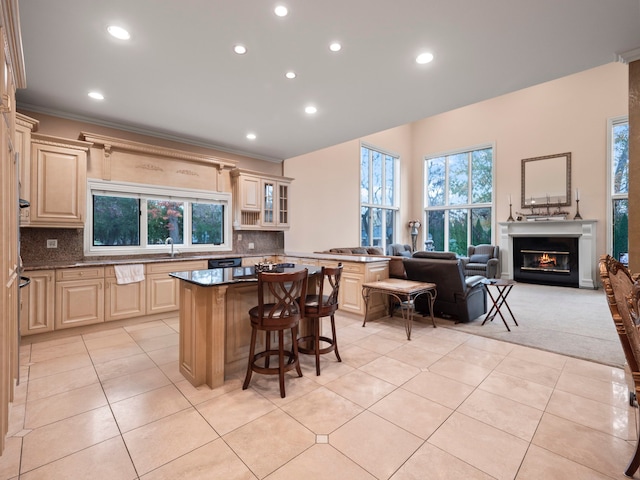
(130, 219)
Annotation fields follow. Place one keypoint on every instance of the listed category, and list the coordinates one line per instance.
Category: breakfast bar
(214, 325)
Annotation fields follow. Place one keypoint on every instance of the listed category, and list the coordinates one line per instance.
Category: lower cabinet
(163, 291)
(79, 297)
(123, 301)
(37, 303)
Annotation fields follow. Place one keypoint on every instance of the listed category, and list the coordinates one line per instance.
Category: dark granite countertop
(103, 262)
(230, 275)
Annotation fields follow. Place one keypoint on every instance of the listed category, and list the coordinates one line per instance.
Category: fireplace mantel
(585, 230)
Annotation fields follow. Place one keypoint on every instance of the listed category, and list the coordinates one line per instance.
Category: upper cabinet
(261, 201)
(58, 182)
(22, 144)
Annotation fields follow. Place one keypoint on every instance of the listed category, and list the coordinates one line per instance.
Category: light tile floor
(445, 405)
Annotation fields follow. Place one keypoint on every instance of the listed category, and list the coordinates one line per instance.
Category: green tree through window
(378, 197)
(458, 197)
(619, 160)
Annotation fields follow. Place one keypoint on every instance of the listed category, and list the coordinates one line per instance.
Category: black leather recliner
(458, 296)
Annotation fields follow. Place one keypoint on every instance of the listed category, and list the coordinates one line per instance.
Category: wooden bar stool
(281, 312)
(324, 304)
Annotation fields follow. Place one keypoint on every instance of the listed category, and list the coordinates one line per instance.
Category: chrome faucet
(169, 241)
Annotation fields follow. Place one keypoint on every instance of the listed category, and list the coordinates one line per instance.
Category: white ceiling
(178, 77)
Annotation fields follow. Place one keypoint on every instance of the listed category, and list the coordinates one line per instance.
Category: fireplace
(582, 230)
(546, 260)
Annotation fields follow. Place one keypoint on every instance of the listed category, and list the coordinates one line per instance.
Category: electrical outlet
(251, 246)
(52, 243)
(239, 236)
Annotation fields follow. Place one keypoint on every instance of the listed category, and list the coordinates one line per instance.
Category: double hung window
(459, 199)
(619, 188)
(378, 197)
(134, 219)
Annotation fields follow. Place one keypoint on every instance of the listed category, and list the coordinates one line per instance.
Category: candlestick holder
(510, 219)
(577, 216)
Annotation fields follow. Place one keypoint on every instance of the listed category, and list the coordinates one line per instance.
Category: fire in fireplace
(545, 260)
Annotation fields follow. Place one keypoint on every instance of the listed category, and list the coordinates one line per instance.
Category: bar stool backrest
(278, 306)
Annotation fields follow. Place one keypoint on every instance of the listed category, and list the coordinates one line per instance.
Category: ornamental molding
(162, 152)
(59, 142)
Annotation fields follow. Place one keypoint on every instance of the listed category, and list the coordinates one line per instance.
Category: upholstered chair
(482, 260)
(399, 250)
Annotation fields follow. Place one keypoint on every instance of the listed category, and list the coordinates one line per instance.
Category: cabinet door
(269, 203)
(22, 145)
(163, 294)
(351, 293)
(37, 303)
(283, 204)
(163, 291)
(79, 302)
(249, 193)
(124, 301)
(58, 186)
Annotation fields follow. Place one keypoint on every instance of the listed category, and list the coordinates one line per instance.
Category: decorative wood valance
(111, 143)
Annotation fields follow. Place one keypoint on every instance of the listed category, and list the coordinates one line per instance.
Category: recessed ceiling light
(281, 11)
(424, 58)
(290, 75)
(240, 49)
(335, 47)
(118, 32)
(251, 136)
(310, 109)
(96, 95)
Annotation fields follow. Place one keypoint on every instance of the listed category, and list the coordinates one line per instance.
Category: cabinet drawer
(79, 273)
(110, 272)
(168, 267)
(353, 267)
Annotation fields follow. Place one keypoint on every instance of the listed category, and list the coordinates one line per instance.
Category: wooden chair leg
(335, 338)
(316, 342)
(281, 361)
(252, 351)
(267, 344)
(294, 348)
(632, 468)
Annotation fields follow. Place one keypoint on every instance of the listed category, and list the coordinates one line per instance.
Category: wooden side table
(503, 288)
(406, 292)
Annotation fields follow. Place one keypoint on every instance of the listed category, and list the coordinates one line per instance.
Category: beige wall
(325, 203)
(566, 115)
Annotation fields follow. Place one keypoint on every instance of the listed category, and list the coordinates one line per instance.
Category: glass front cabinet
(268, 208)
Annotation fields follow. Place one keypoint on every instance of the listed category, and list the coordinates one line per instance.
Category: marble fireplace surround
(585, 230)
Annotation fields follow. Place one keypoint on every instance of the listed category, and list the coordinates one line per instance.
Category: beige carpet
(570, 321)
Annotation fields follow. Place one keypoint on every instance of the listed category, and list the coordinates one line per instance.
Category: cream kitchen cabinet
(353, 276)
(58, 181)
(163, 291)
(79, 297)
(123, 301)
(37, 302)
(261, 201)
(22, 145)
(275, 204)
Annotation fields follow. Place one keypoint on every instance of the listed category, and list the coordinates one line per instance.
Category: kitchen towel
(129, 273)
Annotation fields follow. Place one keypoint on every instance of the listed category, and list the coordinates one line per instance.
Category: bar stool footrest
(290, 365)
(308, 340)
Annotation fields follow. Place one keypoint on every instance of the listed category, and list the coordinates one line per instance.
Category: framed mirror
(546, 181)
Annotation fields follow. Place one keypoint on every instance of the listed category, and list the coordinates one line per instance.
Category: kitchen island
(214, 324)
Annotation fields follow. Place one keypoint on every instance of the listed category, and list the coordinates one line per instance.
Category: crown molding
(141, 131)
(629, 56)
(11, 22)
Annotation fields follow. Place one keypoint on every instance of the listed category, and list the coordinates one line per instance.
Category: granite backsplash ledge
(33, 244)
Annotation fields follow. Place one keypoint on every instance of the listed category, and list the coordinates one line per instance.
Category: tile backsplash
(33, 244)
